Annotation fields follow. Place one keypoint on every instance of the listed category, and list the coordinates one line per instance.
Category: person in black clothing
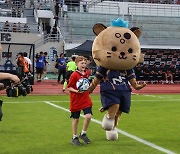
(139, 72)
(57, 9)
(154, 73)
(162, 73)
(146, 72)
(48, 29)
(171, 73)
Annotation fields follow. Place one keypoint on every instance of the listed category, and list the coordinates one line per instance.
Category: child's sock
(83, 132)
(74, 136)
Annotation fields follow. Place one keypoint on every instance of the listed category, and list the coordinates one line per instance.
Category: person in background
(19, 27)
(171, 73)
(45, 66)
(154, 73)
(61, 68)
(79, 101)
(70, 68)
(39, 66)
(162, 73)
(138, 71)
(146, 72)
(56, 64)
(28, 61)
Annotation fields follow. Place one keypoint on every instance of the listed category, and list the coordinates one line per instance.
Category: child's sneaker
(76, 142)
(84, 138)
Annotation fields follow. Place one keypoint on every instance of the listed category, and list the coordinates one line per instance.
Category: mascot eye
(127, 36)
(118, 35)
(114, 49)
(130, 50)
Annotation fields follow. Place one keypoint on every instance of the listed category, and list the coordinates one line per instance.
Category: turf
(31, 126)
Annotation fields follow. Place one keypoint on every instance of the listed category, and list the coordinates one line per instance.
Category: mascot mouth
(122, 55)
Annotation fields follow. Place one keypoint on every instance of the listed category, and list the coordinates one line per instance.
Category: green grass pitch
(31, 126)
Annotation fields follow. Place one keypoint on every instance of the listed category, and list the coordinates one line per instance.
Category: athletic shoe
(46, 78)
(63, 90)
(76, 142)
(84, 138)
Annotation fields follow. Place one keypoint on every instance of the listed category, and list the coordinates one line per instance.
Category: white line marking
(164, 100)
(120, 131)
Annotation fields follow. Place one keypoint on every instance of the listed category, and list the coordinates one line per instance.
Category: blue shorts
(123, 98)
(76, 115)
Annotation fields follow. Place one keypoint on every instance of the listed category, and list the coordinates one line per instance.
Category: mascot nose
(122, 54)
(122, 41)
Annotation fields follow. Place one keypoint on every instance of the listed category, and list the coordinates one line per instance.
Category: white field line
(120, 131)
(152, 100)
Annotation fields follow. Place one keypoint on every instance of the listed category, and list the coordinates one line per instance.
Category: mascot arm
(101, 72)
(135, 85)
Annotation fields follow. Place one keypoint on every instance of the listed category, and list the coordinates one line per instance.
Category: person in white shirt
(28, 61)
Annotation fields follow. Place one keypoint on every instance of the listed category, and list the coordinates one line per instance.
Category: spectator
(14, 29)
(6, 26)
(171, 73)
(61, 68)
(139, 72)
(65, 9)
(32, 3)
(146, 72)
(19, 12)
(19, 27)
(26, 28)
(154, 73)
(84, 5)
(13, 12)
(39, 66)
(57, 10)
(162, 73)
(48, 29)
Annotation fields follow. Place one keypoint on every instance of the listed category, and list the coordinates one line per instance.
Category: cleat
(84, 138)
(76, 142)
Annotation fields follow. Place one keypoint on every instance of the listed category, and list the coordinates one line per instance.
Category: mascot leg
(113, 134)
(1, 114)
(117, 118)
(109, 118)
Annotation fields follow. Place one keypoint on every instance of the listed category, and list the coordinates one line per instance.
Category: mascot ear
(136, 31)
(97, 28)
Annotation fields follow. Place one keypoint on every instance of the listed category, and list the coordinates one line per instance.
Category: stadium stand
(159, 21)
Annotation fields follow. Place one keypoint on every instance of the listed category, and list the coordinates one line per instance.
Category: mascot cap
(119, 23)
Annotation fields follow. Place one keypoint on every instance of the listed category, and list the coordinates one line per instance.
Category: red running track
(51, 87)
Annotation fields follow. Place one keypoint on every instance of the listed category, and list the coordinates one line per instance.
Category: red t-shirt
(78, 101)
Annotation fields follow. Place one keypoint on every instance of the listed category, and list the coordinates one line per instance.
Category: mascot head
(116, 47)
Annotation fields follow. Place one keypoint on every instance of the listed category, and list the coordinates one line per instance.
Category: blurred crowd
(153, 74)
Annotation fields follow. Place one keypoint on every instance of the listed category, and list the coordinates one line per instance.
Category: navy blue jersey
(40, 62)
(115, 80)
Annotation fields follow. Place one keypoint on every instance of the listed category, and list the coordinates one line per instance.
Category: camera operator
(22, 65)
(6, 76)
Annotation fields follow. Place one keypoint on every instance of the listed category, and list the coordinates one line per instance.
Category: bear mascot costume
(116, 51)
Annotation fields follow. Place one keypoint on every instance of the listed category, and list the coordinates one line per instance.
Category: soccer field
(41, 124)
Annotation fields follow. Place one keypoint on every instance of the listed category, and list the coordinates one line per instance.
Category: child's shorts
(123, 98)
(76, 115)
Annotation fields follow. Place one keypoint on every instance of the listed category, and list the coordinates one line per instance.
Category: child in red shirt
(79, 101)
